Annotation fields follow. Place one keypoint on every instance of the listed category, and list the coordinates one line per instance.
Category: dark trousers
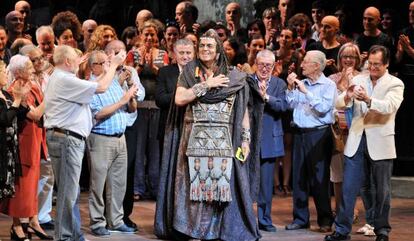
(147, 156)
(264, 202)
(361, 171)
(312, 151)
(131, 141)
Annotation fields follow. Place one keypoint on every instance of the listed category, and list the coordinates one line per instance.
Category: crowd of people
(205, 118)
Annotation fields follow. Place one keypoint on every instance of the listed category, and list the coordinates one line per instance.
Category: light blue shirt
(117, 121)
(131, 117)
(316, 107)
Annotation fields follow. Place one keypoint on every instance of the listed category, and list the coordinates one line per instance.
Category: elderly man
(88, 26)
(186, 14)
(370, 148)
(68, 122)
(312, 101)
(108, 149)
(131, 141)
(272, 90)
(45, 38)
(14, 24)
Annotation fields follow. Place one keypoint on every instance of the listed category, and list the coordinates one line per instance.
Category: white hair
(25, 50)
(318, 57)
(265, 53)
(63, 52)
(44, 29)
(17, 63)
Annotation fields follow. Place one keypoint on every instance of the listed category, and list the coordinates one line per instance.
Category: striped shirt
(117, 122)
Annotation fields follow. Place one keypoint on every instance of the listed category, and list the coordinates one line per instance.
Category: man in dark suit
(167, 81)
(272, 90)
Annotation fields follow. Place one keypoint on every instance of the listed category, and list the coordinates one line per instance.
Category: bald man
(14, 26)
(142, 16)
(328, 43)
(372, 35)
(24, 8)
(233, 15)
(88, 26)
(29, 29)
(186, 14)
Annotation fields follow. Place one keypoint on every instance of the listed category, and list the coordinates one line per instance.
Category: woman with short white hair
(32, 147)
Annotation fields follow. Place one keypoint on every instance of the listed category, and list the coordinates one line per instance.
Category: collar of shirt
(260, 82)
(321, 80)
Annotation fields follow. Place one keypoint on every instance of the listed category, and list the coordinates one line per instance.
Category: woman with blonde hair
(349, 62)
(147, 59)
(102, 35)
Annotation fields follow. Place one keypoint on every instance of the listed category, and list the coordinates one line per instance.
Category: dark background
(122, 13)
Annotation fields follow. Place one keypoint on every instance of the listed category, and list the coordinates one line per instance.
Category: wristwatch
(266, 98)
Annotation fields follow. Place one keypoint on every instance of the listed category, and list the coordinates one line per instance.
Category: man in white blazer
(374, 99)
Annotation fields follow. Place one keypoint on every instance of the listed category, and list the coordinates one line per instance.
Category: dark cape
(174, 210)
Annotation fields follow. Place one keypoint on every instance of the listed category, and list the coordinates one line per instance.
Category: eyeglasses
(90, 30)
(308, 62)
(375, 65)
(263, 65)
(99, 63)
(40, 58)
(349, 57)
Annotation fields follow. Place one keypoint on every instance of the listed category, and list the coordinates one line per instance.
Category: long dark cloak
(246, 175)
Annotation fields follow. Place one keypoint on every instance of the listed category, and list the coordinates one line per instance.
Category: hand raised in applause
(129, 94)
(263, 91)
(361, 94)
(196, 28)
(125, 75)
(20, 89)
(291, 80)
(119, 58)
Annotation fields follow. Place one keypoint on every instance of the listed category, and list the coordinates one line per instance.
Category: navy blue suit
(271, 146)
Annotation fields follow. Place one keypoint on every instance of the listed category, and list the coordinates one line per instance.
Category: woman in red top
(32, 146)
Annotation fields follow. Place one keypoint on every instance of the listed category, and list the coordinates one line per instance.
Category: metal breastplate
(211, 130)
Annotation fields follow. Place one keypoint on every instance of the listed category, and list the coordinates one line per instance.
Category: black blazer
(166, 85)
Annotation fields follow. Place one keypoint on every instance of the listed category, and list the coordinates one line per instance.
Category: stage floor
(402, 219)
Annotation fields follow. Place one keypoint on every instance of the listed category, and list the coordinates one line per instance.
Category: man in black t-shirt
(372, 35)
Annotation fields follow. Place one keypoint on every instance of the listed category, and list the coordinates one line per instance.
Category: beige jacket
(378, 121)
